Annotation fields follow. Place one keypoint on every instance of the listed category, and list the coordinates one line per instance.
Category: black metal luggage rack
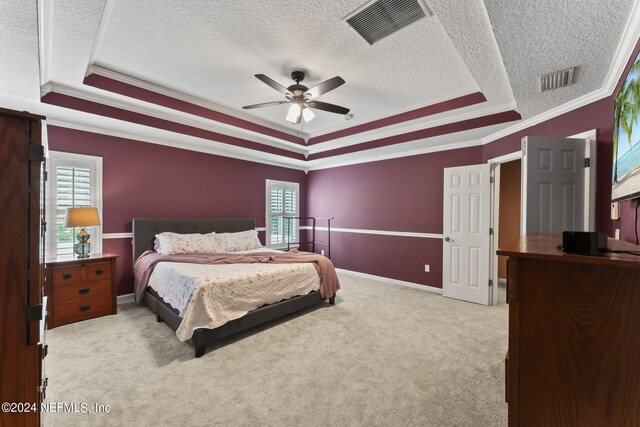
(312, 242)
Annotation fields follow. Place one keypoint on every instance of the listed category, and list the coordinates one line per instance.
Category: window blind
(282, 202)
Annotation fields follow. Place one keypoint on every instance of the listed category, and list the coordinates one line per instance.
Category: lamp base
(83, 248)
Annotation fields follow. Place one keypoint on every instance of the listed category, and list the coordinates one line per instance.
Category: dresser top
(545, 246)
(72, 259)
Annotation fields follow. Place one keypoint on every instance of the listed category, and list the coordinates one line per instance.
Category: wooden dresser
(574, 335)
(81, 288)
(21, 278)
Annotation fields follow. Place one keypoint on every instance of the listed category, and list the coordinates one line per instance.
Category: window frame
(94, 163)
(284, 185)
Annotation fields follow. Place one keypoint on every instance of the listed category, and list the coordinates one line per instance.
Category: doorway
(509, 203)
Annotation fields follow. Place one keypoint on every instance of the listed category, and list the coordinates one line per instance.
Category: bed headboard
(145, 229)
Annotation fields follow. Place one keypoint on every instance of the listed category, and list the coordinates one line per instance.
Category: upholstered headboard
(145, 229)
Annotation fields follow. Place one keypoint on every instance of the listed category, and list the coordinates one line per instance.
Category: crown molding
(459, 93)
(368, 156)
(110, 99)
(123, 78)
(392, 131)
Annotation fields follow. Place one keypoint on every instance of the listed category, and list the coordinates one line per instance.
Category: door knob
(446, 239)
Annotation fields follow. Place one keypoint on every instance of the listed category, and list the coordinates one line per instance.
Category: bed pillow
(240, 241)
(174, 243)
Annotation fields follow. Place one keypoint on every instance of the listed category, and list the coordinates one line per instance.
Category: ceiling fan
(301, 97)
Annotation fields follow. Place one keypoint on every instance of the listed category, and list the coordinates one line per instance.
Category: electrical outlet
(617, 233)
(322, 252)
(426, 268)
(615, 210)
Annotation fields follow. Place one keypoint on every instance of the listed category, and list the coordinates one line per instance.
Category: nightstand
(80, 288)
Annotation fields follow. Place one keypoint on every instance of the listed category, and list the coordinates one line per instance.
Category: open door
(553, 185)
(467, 196)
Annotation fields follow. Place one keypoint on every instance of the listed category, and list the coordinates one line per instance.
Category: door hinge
(43, 226)
(491, 231)
(36, 152)
(490, 283)
(587, 162)
(492, 179)
(35, 313)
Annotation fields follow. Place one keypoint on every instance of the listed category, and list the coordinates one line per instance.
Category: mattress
(208, 296)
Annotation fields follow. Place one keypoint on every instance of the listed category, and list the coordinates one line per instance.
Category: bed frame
(144, 231)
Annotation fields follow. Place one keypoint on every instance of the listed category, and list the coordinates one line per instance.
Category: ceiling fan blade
(325, 106)
(325, 86)
(264, 104)
(274, 84)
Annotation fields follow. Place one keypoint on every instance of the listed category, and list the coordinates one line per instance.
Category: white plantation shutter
(74, 181)
(282, 201)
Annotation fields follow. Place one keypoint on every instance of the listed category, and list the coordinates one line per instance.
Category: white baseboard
(126, 298)
(391, 281)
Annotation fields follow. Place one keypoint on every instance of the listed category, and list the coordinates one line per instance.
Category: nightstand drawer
(82, 309)
(63, 276)
(80, 291)
(96, 271)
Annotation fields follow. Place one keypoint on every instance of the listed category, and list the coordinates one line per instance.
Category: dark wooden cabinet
(574, 335)
(80, 289)
(21, 278)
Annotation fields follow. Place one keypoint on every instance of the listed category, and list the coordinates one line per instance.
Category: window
(74, 180)
(282, 201)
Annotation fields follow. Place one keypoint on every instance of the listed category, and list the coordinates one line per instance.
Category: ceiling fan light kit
(301, 97)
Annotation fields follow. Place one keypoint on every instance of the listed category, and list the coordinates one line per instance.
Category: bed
(144, 231)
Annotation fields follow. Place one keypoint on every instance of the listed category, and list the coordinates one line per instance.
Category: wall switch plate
(322, 252)
(615, 210)
(426, 268)
(617, 235)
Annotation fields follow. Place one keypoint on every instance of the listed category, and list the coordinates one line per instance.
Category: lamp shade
(81, 217)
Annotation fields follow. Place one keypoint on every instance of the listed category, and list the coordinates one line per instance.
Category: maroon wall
(402, 194)
(406, 194)
(148, 180)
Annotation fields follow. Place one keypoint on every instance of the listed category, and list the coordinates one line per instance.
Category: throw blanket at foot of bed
(329, 283)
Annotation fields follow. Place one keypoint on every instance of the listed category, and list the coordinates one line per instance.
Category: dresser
(81, 288)
(574, 335)
(22, 345)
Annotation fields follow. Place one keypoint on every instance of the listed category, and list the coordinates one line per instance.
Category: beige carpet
(384, 355)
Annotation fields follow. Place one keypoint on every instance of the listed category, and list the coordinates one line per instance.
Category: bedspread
(210, 290)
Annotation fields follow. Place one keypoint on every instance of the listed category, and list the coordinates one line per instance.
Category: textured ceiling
(19, 65)
(549, 35)
(211, 50)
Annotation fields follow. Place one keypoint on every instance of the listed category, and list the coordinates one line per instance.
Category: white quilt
(208, 296)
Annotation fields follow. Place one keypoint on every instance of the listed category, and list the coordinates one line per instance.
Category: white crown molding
(448, 97)
(97, 43)
(416, 125)
(123, 78)
(89, 93)
(391, 281)
(44, 39)
(73, 119)
(359, 157)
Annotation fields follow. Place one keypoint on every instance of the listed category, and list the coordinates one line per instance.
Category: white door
(467, 195)
(553, 185)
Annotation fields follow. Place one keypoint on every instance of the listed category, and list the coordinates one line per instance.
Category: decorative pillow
(240, 241)
(173, 243)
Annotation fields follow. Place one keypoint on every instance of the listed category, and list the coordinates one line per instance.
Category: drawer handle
(84, 291)
(99, 272)
(66, 276)
(84, 308)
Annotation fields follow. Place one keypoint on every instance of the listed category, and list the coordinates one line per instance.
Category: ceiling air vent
(379, 18)
(556, 80)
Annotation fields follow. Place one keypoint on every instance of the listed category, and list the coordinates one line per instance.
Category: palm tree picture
(626, 110)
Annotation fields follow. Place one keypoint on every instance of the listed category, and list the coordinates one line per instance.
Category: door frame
(591, 136)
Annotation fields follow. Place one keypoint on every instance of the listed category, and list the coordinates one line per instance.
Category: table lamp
(82, 217)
